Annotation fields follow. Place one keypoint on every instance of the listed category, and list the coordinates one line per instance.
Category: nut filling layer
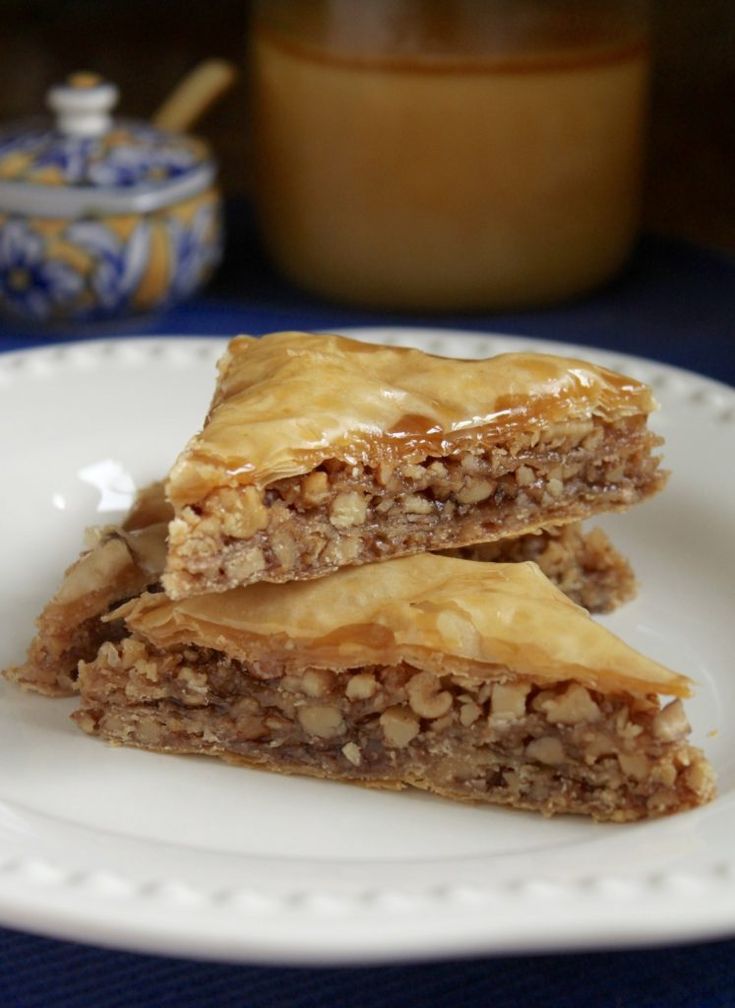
(560, 749)
(344, 514)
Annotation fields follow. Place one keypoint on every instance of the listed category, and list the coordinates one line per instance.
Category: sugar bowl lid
(88, 162)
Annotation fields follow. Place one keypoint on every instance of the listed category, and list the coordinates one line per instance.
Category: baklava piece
(478, 682)
(321, 452)
(584, 565)
(117, 563)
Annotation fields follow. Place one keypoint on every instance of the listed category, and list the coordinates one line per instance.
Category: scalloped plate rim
(34, 892)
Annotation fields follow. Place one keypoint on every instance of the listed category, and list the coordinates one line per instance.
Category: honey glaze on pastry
(288, 401)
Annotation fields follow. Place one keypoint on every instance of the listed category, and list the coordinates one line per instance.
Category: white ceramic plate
(192, 857)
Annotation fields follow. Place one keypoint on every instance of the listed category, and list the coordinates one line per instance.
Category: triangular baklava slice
(321, 452)
(476, 681)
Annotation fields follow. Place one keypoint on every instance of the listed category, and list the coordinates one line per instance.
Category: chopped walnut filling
(349, 513)
(586, 566)
(563, 748)
(51, 665)
(70, 628)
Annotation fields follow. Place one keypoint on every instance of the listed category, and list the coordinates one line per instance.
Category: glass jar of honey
(449, 154)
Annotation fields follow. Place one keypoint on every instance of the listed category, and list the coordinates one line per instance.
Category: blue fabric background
(37, 973)
(675, 303)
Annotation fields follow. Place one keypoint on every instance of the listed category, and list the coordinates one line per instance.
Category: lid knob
(83, 104)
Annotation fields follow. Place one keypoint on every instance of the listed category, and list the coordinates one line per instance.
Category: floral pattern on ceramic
(118, 264)
(129, 165)
(195, 254)
(31, 284)
(128, 155)
(101, 267)
(62, 162)
(15, 141)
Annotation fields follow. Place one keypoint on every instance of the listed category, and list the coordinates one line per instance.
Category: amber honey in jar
(433, 154)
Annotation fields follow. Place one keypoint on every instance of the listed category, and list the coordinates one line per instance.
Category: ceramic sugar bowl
(102, 218)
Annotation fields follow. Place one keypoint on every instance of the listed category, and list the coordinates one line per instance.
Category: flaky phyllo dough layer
(476, 681)
(320, 452)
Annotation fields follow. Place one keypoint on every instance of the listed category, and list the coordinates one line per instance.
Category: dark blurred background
(146, 46)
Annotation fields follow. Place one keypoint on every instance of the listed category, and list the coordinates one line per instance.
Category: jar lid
(88, 162)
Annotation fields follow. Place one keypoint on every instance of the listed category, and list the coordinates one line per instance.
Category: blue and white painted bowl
(102, 218)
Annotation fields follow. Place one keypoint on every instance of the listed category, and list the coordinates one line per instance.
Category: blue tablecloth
(675, 303)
